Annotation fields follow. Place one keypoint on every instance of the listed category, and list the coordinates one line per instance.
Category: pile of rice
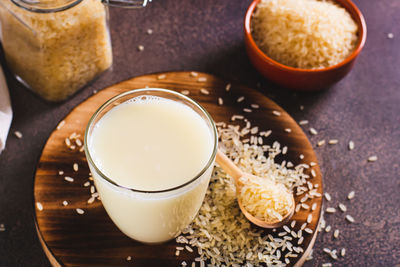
(264, 199)
(306, 34)
(221, 233)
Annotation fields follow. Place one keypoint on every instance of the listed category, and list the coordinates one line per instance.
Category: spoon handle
(228, 166)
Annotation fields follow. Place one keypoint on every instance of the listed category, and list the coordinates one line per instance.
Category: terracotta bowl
(303, 79)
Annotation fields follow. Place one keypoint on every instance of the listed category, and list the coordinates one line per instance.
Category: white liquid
(153, 144)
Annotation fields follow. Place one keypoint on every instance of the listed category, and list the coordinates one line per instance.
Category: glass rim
(34, 6)
(112, 100)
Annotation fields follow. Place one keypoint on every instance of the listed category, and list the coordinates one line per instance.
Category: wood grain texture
(92, 239)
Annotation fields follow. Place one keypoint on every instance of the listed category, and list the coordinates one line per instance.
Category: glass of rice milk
(151, 153)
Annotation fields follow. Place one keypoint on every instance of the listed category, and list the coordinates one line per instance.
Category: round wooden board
(91, 239)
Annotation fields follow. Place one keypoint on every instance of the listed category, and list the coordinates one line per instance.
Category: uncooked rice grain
(240, 99)
(313, 131)
(333, 141)
(68, 179)
(321, 143)
(351, 145)
(39, 206)
(343, 252)
(336, 233)
(349, 218)
(330, 210)
(328, 228)
(276, 113)
(342, 207)
(204, 91)
(327, 196)
(314, 206)
(18, 134)
(308, 230)
(80, 211)
(309, 218)
(255, 106)
(185, 92)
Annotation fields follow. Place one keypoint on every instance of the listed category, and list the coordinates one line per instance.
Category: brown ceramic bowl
(303, 79)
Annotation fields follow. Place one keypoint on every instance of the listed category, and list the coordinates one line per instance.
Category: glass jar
(55, 47)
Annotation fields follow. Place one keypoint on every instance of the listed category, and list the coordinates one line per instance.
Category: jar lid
(46, 6)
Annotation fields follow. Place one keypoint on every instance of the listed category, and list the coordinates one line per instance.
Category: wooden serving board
(91, 239)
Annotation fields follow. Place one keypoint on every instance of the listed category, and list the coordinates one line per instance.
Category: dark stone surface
(207, 36)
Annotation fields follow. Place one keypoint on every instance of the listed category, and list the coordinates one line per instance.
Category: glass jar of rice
(55, 47)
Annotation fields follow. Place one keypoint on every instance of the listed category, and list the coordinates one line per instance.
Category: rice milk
(151, 143)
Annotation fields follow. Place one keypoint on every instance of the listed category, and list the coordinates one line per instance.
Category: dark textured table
(207, 36)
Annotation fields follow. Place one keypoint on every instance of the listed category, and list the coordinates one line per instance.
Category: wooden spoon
(236, 174)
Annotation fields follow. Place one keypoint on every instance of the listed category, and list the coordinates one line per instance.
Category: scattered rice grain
(18, 134)
(276, 113)
(309, 218)
(80, 211)
(185, 92)
(39, 206)
(313, 131)
(373, 158)
(330, 210)
(342, 207)
(61, 124)
(204, 91)
(68, 179)
(327, 196)
(336, 233)
(343, 252)
(161, 77)
(75, 167)
(349, 218)
(351, 145)
(333, 141)
(321, 143)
